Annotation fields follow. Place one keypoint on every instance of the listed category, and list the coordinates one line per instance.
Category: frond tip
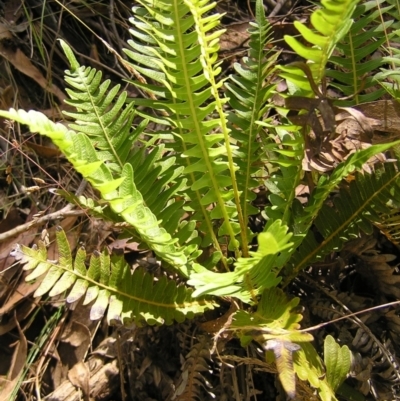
(108, 282)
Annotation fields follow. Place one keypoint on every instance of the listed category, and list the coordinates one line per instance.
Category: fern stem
(354, 69)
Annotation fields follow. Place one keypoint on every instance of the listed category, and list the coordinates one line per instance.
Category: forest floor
(50, 351)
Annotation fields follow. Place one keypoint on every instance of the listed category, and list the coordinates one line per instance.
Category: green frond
(121, 193)
(275, 325)
(249, 91)
(275, 317)
(337, 361)
(389, 78)
(252, 274)
(103, 117)
(309, 367)
(330, 23)
(175, 47)
(353, 211)
(109, 283)
(286, 150)
(102, 114)
(326, 185)
(357, 57)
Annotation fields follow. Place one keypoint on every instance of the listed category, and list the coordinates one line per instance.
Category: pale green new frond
(174, 46)
(357, 56)
(330, 23)
(109, 283)
(252, 274)
(121, 193)
(274, 317)
(275, 325)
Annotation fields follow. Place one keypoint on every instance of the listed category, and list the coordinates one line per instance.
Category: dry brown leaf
(235, 36)
(22, 63)
(22, 312)
(22, 291)
(7, 386)
(47, 152)
(386, 112)
(7, 269)
(214, 326)
(354, 132)
(79, 376)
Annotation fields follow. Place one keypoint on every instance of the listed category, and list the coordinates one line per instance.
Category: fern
(330, 23)
(276, 327)
(120, 193)
(250, 92)
(103, 117)
(354, 209)
(182, 57)
(190, 187)
(108, 282)
(251, 275)
(109, 131)
(354, 62)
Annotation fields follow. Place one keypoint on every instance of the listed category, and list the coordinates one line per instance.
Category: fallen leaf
(22, 63)
(79, 376)
(387, 112)
(8, 385)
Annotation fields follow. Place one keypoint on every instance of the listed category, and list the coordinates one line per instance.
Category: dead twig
(59, 214)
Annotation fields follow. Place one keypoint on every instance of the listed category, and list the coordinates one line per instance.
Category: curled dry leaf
(79, 376)
(8, 384)
(22, 63)
(354, 132)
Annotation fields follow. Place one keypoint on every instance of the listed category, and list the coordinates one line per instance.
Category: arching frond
(354, 209)
(330, 23)
(356, 60)
(109, 283)
(250, 90)
(121, 193)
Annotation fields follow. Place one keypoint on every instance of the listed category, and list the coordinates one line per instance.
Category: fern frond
(356, 60)
(252, 274)
(287, 151)
(330, 23)
(108, 282)
(104, 118)
(174, 46)
(249, 92)
(102, 114)
(353, 210)
(121, 193)
(192, 379)
(309, 367)
(389, 225)
(326, 185)
(275, 313)
(389, 78)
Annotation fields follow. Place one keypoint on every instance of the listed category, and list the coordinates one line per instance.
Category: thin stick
(59, 214)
